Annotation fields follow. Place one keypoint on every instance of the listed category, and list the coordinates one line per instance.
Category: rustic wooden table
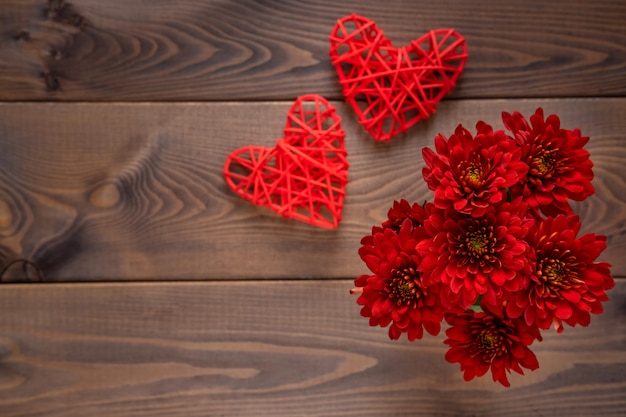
(159, 292)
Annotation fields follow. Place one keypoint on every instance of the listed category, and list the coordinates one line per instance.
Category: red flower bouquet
(497, 254)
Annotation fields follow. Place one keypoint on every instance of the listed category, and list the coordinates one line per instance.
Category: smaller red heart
(391, 88)
(304, 176)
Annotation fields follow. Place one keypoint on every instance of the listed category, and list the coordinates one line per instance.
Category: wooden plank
(135, 191)
(271, 348)
(239, 50)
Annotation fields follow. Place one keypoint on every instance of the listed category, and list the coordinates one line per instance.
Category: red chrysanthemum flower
(476, 256)
(396, 293)
(402, 210)
(472, 173)
(559, 167)
(480, 341)
(567, 284)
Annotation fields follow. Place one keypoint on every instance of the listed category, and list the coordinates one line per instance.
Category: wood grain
(115, 120)
(130, 50)
(281, 348)
(135, 191)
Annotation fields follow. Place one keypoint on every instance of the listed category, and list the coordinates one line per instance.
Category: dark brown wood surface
(135, 191)
(241, 50)
(280, 348)
(165, 294)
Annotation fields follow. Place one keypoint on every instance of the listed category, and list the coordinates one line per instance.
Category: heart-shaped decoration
(391, 88)
(304, 176)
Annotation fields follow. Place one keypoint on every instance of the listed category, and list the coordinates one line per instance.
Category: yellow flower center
(487, 340)
(557, 274)
(472, 175)
(490, 344)
(543, 163)
(477, 245)
(405, 287)
(555, 271)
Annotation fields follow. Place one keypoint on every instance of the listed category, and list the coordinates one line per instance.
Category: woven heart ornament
(304, 176)
(392, 88)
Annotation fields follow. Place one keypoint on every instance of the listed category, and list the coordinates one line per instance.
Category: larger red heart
(304, 176)
(391, 88)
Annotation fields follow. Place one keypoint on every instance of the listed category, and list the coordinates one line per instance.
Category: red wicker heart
(304, 176)
(391, 88)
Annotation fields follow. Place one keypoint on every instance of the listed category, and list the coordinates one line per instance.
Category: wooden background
(136, 283)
